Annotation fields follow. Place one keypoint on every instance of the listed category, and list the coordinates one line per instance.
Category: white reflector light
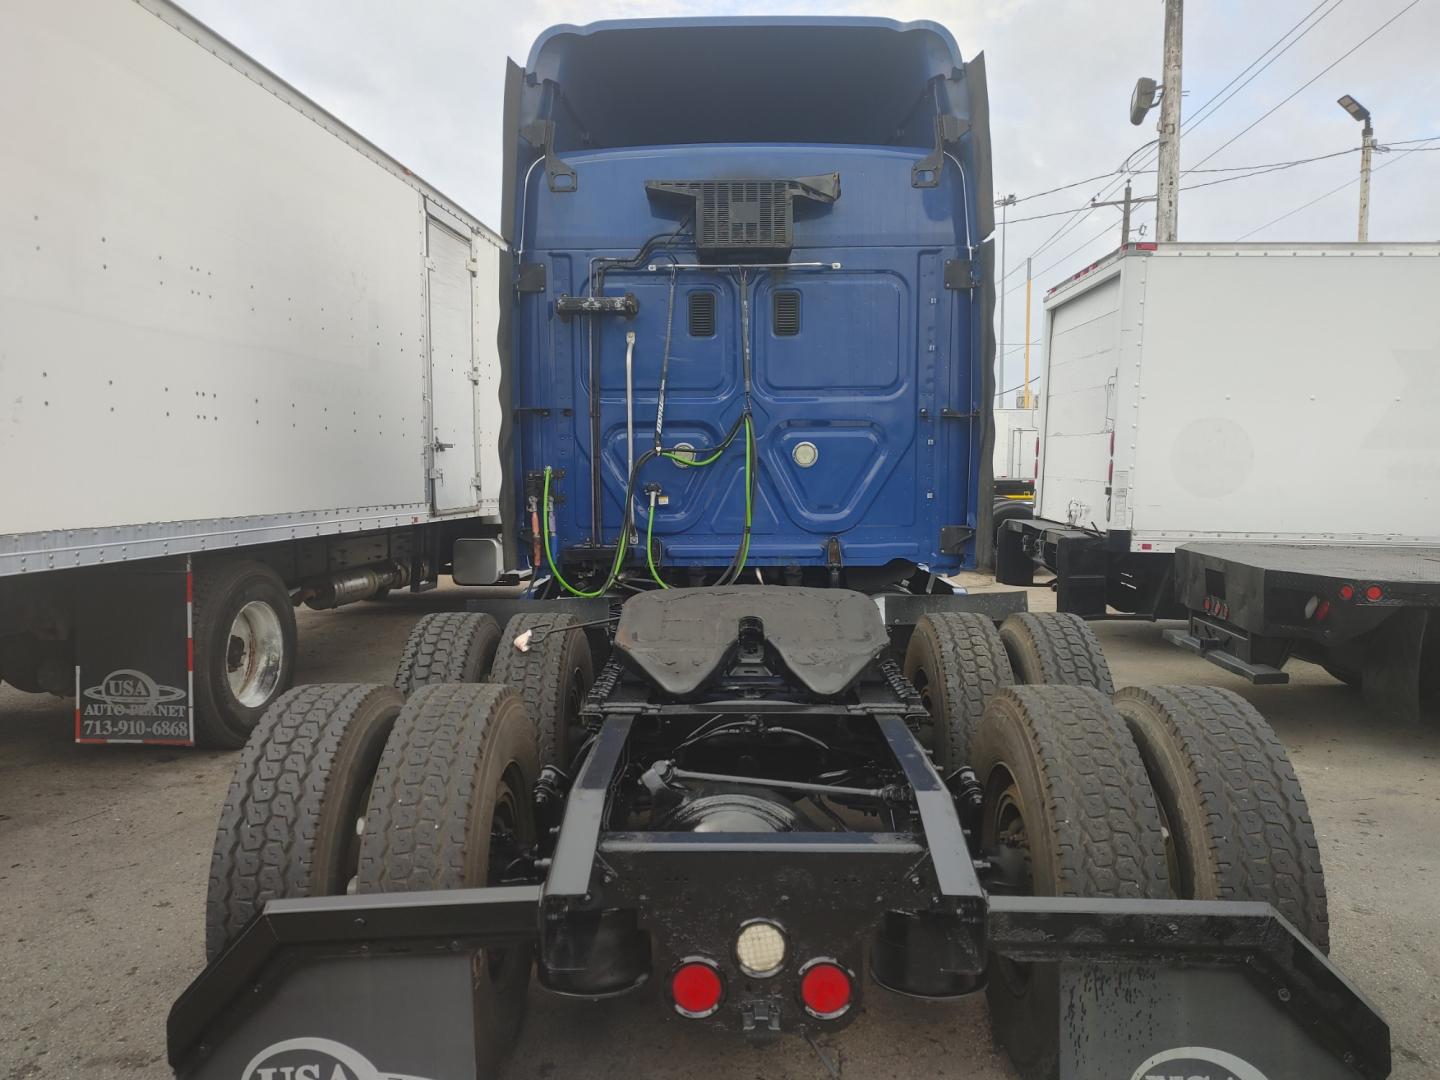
(760, 949)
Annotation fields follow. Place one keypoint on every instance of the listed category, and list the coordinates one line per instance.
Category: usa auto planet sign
(315, 1059)
(1193, 1063)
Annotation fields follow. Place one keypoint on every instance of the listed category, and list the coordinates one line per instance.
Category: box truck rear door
(453, 374)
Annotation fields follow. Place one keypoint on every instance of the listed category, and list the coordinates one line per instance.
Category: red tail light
(1374, 592)
(696, 988)
(825, 989)
(1347, 592)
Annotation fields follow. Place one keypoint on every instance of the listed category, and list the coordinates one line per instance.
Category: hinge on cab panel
(960, 274)
(530, 278)
(953, 538)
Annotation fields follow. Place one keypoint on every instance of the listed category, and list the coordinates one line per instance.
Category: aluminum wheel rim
(254, 654)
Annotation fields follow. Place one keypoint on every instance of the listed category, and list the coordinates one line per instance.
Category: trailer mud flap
(136, 687)
(356, 987)
(1151, 990)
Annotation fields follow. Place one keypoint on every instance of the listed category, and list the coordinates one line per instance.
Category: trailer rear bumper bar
(384, 979)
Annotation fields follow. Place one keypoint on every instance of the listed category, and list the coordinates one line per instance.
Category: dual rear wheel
(424, 785)
(1157, 793)
(1176, 791)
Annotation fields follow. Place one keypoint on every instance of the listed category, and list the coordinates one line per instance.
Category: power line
(1063, 187)
(1201, 115)
(1355, 180)
(1304, 86)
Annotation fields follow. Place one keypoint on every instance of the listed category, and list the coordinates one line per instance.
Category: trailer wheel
(289, 824)
(547, 658)
(244, 634)
(451, 808)
(1055, 648)
(1239, 826)
(957, 661)
(447, 647)
(1068, 811)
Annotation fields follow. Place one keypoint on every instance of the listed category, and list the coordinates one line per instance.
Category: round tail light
(1373, 593)
(825, 989)
(696, 988)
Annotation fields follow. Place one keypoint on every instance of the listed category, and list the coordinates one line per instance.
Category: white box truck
(1244, 435)
(1017, 447)
(246, 360)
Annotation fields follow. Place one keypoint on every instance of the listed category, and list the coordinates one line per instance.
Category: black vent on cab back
(747, 220)
(702, 313)
(787, 313)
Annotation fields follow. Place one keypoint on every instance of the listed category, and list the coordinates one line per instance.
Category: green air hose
(549, 558)
(742, 554)
(650, 547)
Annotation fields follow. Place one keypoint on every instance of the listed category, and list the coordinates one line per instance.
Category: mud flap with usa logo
(133, 677)
(380, 987)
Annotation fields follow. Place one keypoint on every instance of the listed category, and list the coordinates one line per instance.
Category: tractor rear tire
(1239, 825)
(957, 662)
(288, 826)
(547, 659)
(1068, 811)
(1055, 648)
(447, 647)
(450, 808)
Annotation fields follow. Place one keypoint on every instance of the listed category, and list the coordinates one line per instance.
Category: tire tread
(266, 836)
(1260, 837)
(1058, 648)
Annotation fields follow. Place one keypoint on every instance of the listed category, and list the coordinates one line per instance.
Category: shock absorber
(969, 798)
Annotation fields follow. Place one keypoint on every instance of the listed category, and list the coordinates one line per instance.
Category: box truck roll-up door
(1079, 415)
(452, 369)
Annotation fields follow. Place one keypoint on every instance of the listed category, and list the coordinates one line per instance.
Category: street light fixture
(1355, 109)
(1367, 145)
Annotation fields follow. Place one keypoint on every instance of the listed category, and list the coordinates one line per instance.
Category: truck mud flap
(380, 987)
(1153, 989)
(359, 987)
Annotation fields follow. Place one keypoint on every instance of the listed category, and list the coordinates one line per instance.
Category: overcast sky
(423, 80)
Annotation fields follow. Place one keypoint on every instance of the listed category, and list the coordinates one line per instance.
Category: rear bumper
(385, 980)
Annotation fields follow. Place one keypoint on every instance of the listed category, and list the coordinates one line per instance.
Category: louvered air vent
(787, 313)
(702, 313)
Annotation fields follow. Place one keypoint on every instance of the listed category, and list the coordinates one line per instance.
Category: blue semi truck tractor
(739, 746)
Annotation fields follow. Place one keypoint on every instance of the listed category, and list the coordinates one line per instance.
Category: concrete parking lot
(104, 854)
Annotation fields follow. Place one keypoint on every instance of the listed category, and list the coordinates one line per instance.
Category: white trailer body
(1245, 391)
(1017, 435)
(226, 321)
(1243, 435)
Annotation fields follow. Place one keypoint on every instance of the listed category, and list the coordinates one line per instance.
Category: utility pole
(1004, 204)
(1027, 399)
(1367, 144)
(1167, 208)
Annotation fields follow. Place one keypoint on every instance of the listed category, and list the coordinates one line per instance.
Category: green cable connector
(550, 559)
